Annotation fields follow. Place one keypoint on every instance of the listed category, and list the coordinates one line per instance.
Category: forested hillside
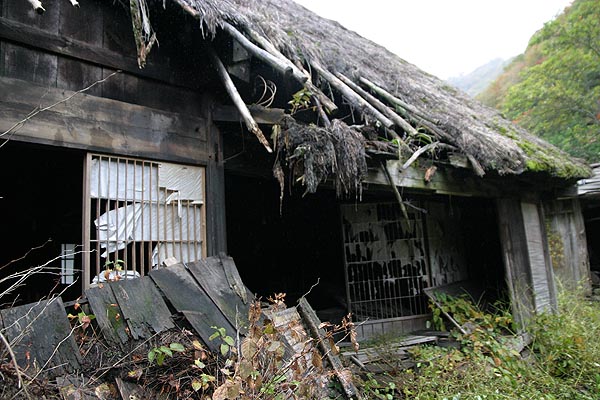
(553, 89)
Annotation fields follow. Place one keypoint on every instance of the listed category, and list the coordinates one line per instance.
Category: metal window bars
(138, 213)
(385, 260)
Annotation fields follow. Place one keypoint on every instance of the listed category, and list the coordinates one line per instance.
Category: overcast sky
(444, 37)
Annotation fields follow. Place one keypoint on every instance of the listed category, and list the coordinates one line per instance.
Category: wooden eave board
(189, 298)
(210, 275)
(45, 327)
(109, 315)
(143, 307)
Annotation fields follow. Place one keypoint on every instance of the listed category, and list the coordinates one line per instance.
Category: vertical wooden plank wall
(515, 255)
(566, 232)
(215, 186)
(528, 268)
(542, 278)
(24, 63)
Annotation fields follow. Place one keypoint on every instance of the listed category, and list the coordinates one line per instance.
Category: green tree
(557, 95)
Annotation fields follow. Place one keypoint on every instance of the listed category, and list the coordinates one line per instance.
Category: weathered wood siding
(526, 258)
(568, 244)
(69, 48)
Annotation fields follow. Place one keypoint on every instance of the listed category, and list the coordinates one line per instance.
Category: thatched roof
(476, 130)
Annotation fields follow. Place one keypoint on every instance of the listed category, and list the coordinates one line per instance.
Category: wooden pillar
(216, 235)
(527, 262)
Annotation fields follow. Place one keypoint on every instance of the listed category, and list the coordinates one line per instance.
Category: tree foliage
(556, 93)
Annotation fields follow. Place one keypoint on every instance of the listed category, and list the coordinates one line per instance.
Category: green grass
(563, 362)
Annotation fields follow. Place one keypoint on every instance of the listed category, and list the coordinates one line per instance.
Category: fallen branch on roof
(286, 68)
(396, 193)
(251, 124)
(408, 111)
(37, 6)
(479, 171)
(353, 98)
(299, 74)
(388, 112)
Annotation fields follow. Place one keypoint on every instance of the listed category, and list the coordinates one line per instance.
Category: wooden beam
(99, 124)
(37, 38)
(445, 181)
(262, 115)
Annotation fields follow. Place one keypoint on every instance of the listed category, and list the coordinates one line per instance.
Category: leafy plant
(300, 101)
(159, 353)
(228, 341)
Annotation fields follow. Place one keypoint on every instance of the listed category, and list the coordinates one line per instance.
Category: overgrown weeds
(563, 360)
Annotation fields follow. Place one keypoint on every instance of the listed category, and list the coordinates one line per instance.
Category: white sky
(444, 37)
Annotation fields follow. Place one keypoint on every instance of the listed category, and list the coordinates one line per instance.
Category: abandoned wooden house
(134, 131)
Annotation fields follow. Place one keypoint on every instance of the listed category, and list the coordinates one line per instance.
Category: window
(67, 263)
(138, 213)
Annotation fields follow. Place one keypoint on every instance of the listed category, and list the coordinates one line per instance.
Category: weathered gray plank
(109, 315)
(40, 335)
(94, 123)
(516, 262)
(310, 317)
(143, 307)
(211, 276)
(234, 279)
(187, 297)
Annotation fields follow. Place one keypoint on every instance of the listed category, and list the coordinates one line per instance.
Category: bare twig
(36, 111)
(14, 360)
(26, 254)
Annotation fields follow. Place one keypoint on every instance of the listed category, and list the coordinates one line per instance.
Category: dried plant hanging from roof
(313, 154)
(144, 35)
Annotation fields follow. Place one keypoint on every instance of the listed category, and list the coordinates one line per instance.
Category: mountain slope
(476, 81)
(553, 89)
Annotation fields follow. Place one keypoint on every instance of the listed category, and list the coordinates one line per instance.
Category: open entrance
(368, 259)
(287, 252)
(40, 199)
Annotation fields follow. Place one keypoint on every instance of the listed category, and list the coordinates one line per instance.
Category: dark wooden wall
(160, 112)
(71, 48)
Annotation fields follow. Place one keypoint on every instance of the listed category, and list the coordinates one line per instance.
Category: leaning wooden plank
(41, 338)
(109, 316)
(237, 100)
(143, 307)
(352, 97)
(187, 297)
(310, 318)
(210, 275)
(234, 279)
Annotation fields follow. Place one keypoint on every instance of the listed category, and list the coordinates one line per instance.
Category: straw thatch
(435, 107)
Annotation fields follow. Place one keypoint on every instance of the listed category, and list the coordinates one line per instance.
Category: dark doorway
(287, 252)
(41, 201)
